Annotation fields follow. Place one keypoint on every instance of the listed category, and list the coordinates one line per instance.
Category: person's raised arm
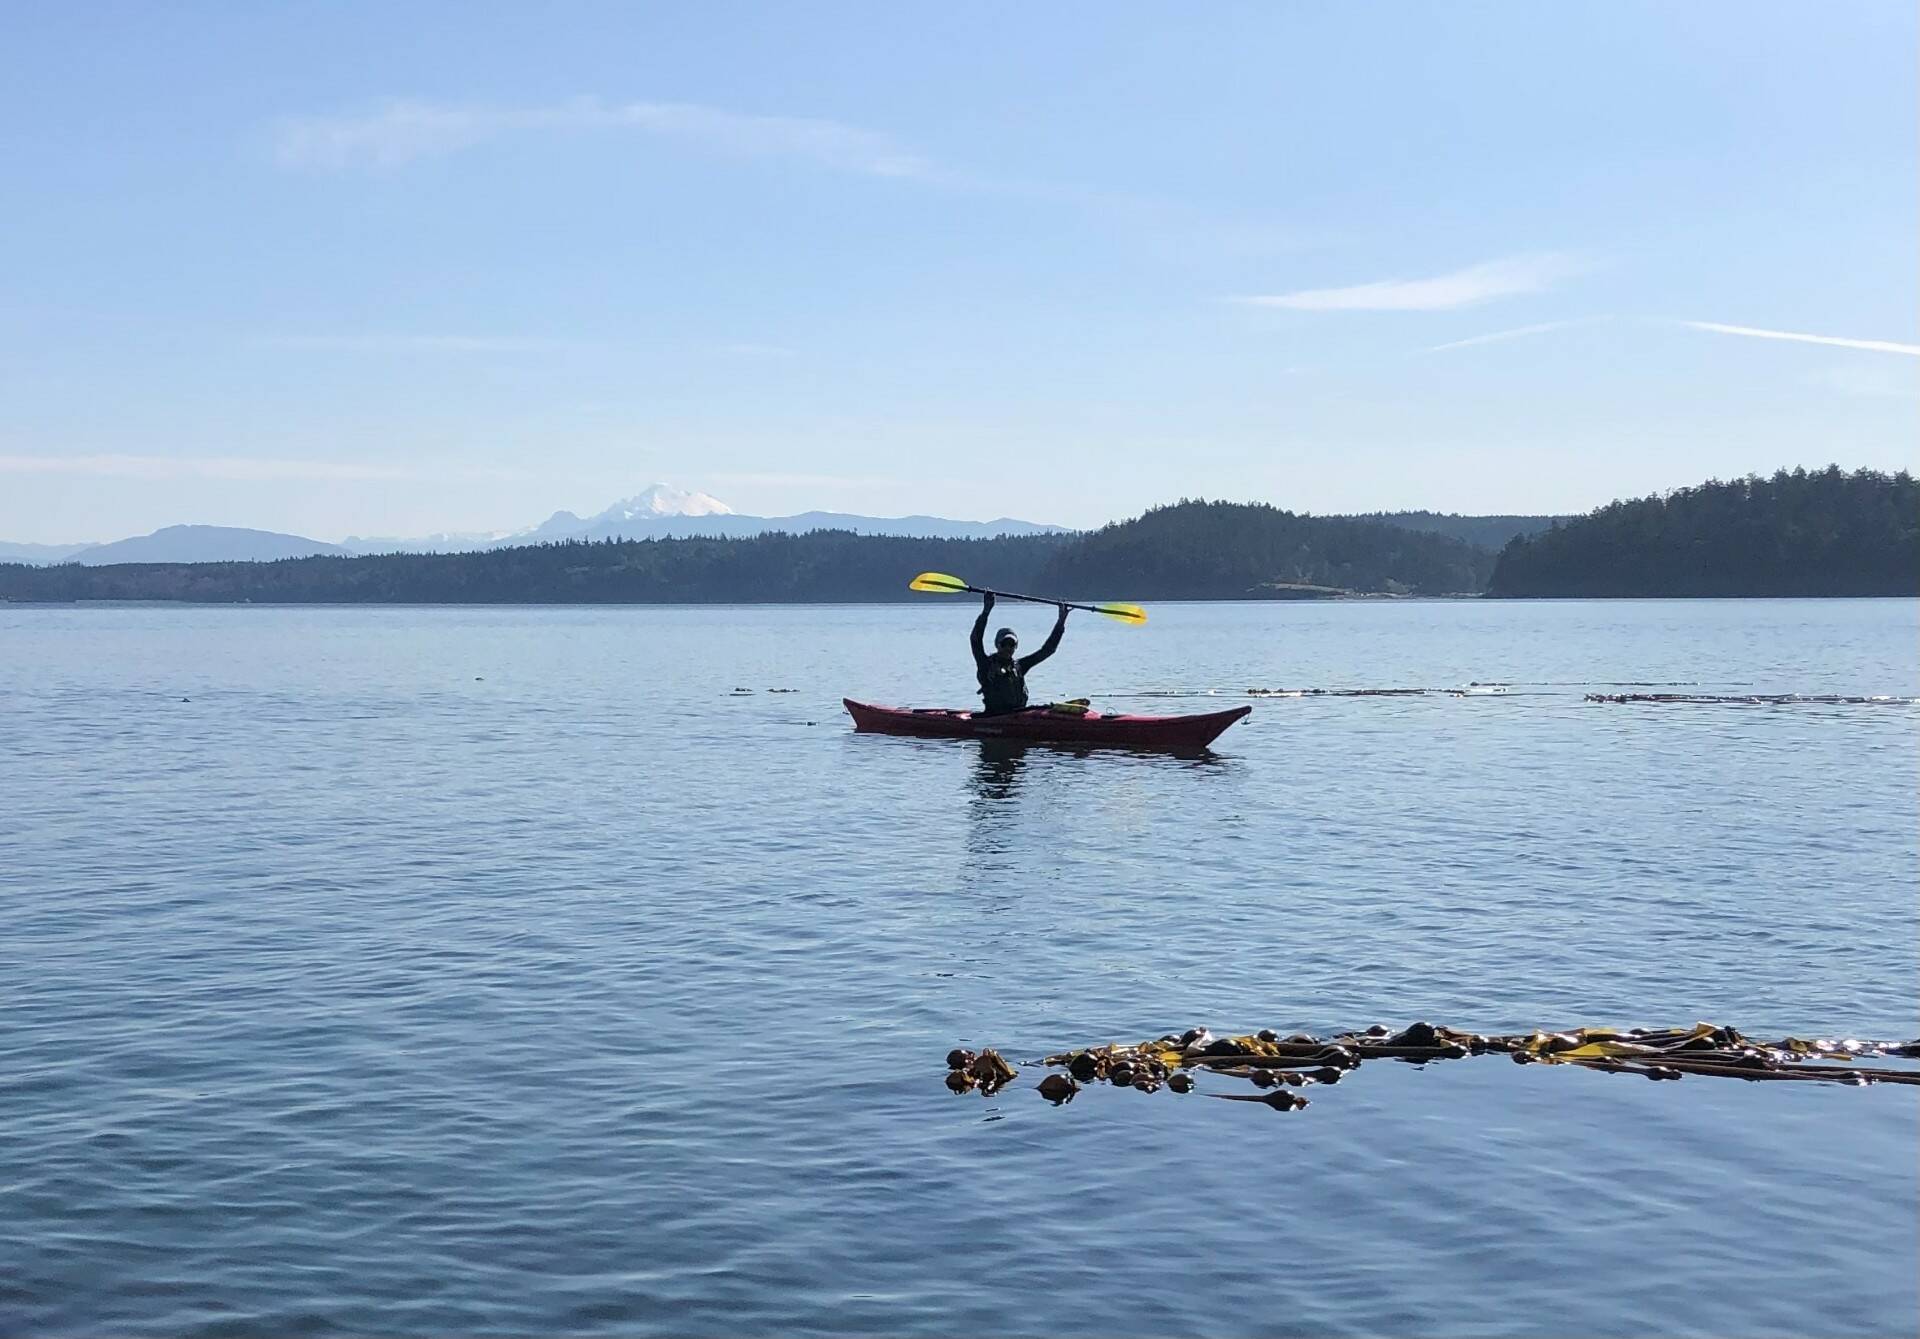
(980, 630)
(1049, 646)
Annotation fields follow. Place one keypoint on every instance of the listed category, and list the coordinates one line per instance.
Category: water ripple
(498, 972)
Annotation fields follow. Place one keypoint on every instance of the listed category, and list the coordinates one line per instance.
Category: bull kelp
(1281, 1065)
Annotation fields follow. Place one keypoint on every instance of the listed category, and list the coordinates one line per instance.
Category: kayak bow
(1045, 725)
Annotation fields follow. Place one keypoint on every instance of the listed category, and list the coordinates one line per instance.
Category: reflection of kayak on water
(1047, 724)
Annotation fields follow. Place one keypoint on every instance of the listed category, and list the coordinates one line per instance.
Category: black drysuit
(1003, 679)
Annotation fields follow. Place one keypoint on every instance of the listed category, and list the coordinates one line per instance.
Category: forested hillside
(1193, 550)
(1231, 551)
(1798, 533)
(1487, 532)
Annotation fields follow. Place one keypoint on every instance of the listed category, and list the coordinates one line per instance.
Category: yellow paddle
(939, 583)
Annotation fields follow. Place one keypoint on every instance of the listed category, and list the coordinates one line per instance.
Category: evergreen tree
(1825, 532)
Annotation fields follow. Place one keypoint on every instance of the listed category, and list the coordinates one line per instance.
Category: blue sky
(391, 269)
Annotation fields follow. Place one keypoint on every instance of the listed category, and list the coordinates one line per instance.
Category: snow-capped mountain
(734, 525)
(665, 512)
(664, 500)
(656, 502)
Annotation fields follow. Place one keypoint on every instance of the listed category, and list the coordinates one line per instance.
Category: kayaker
(1002, 675)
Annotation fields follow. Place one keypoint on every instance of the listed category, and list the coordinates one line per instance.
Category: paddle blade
(939, 583)
(1126, 613)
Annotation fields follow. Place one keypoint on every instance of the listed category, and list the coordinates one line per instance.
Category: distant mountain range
(650, 513)
(658, 512)
(39, 553)
(664, 512)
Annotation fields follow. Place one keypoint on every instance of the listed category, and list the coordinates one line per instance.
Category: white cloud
(1498, 336)
(1871, 345)
(1511, 277)
(400, 131)
(238, 467)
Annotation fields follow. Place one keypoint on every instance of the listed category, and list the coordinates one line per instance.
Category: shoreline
(12, 602)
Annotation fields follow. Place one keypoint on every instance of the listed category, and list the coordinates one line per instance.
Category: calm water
(499, 971)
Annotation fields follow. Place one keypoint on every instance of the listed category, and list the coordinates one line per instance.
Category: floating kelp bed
(1545, 688)
(1754, 699)
(1471, 690)
(1466, 690)
(1282, 1065)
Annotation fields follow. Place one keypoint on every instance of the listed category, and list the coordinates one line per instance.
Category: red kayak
(1047, 725)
